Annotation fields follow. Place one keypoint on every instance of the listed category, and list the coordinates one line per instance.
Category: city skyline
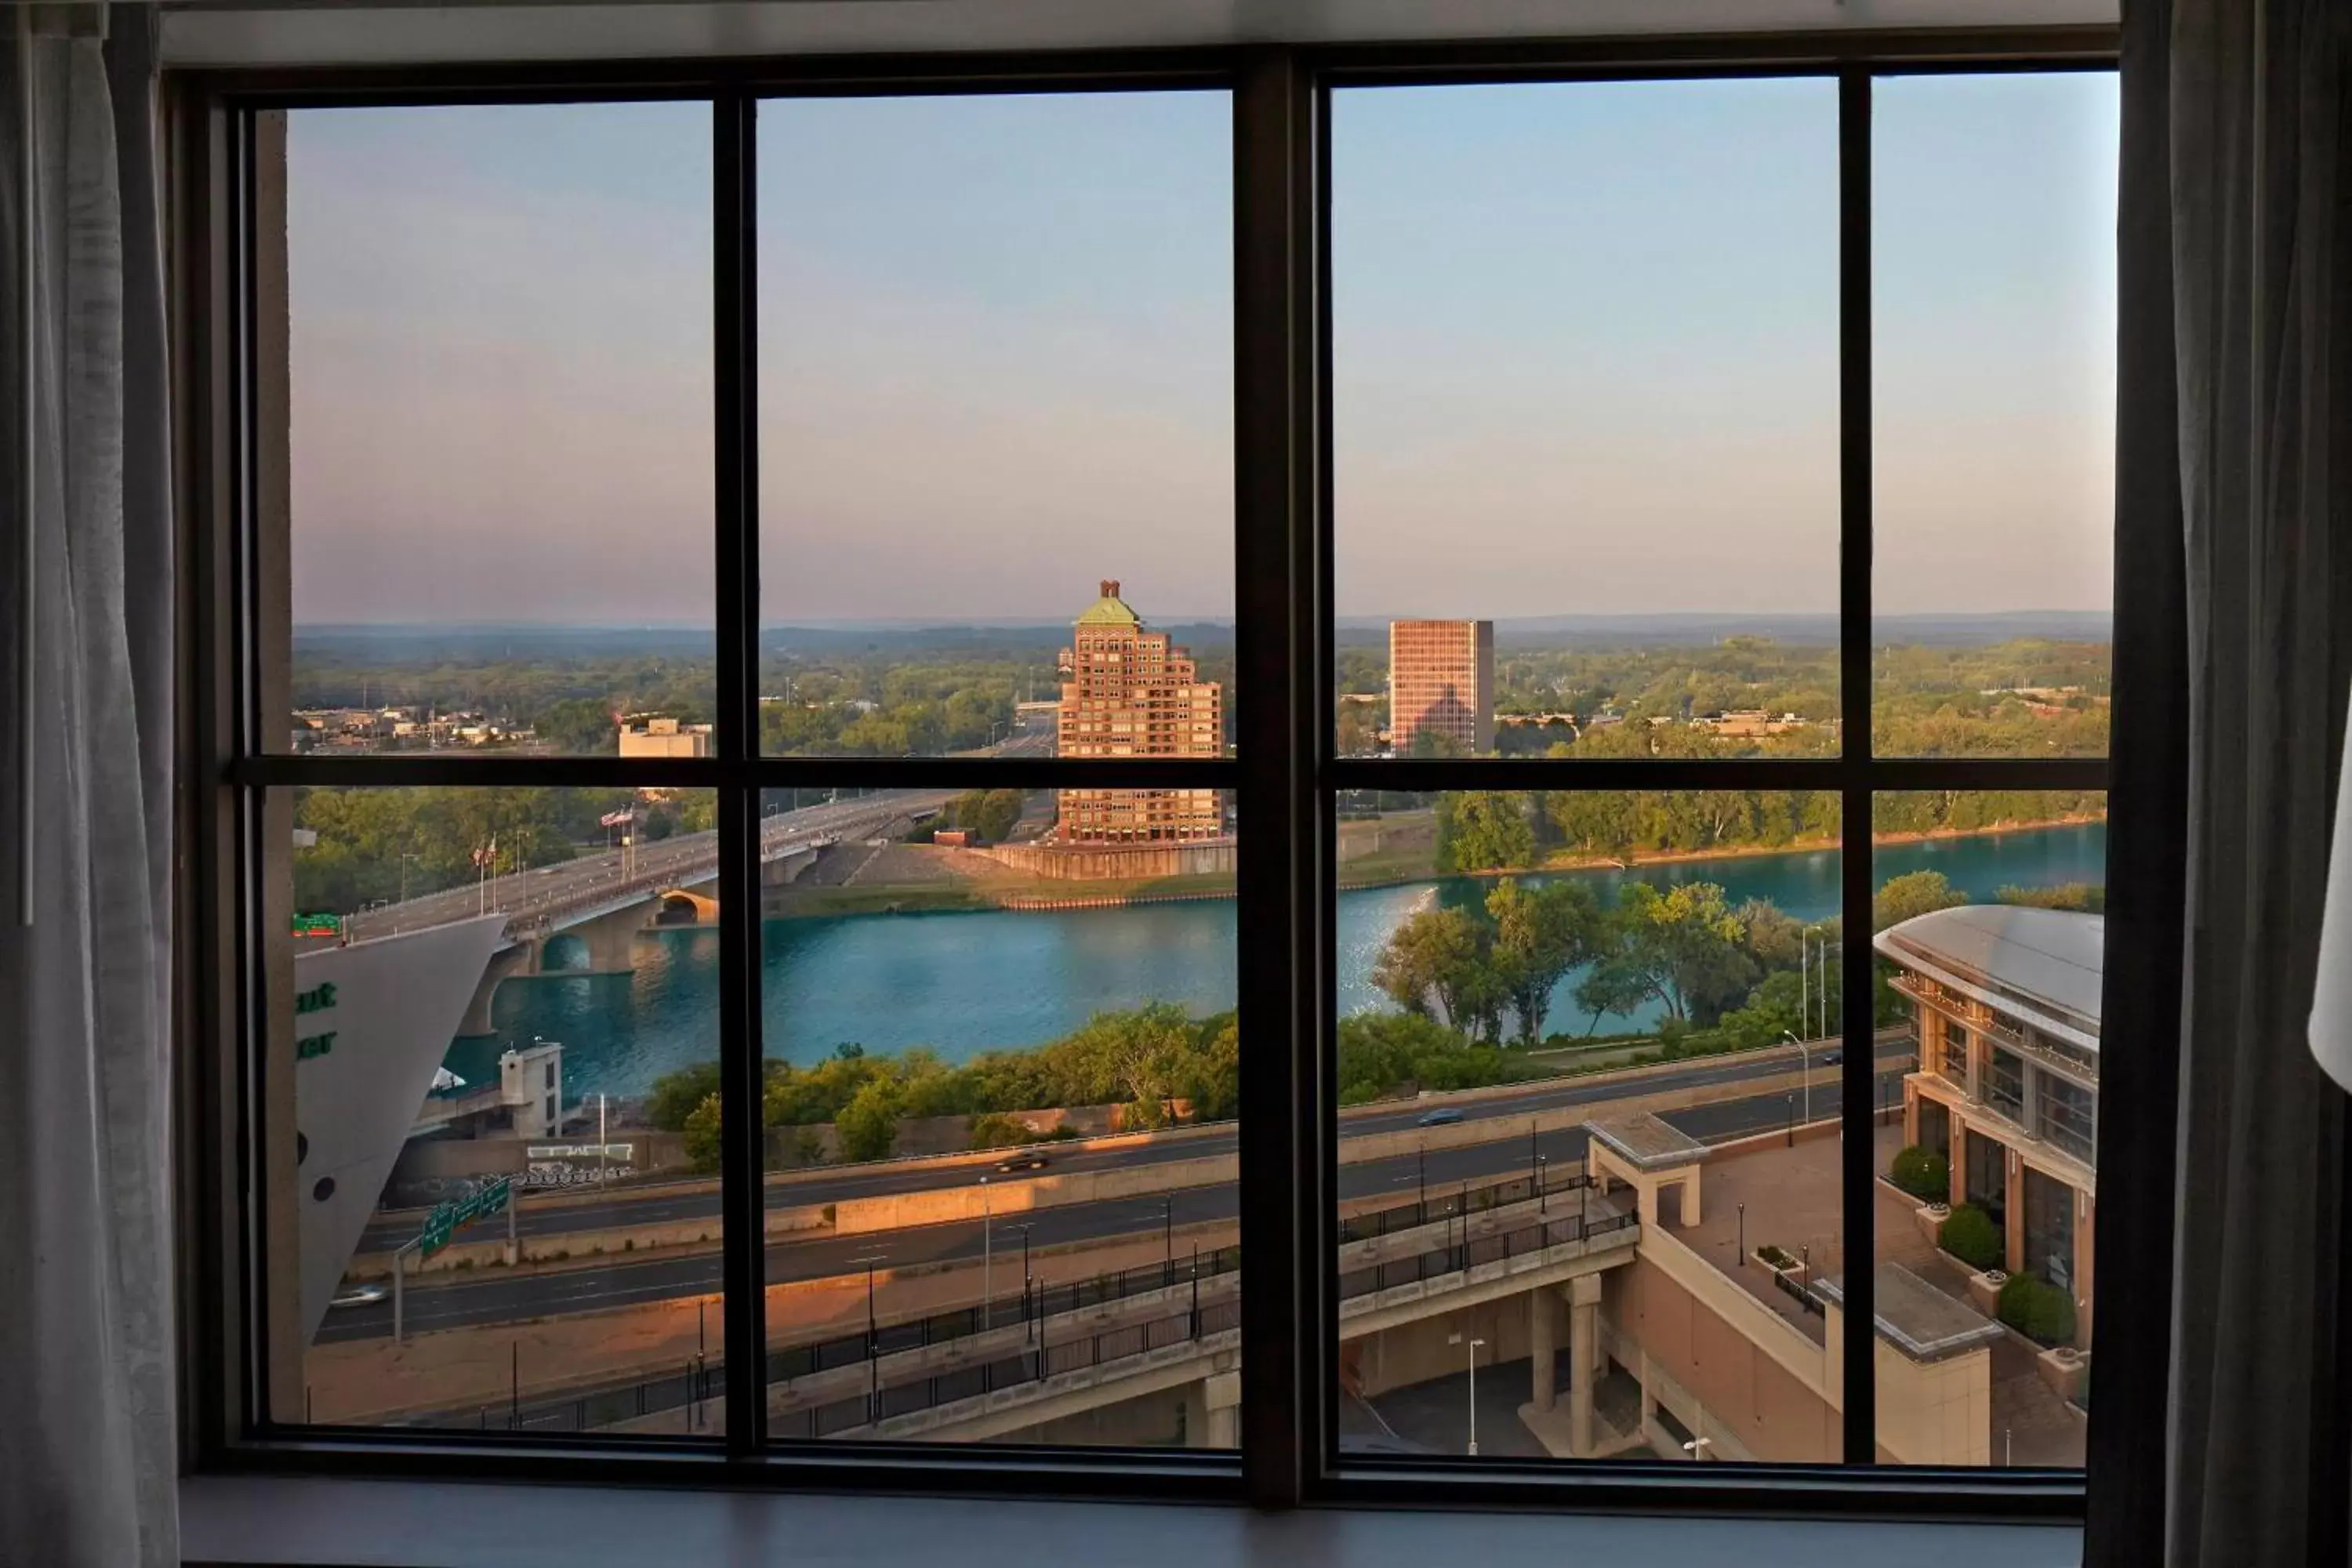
(976, 361)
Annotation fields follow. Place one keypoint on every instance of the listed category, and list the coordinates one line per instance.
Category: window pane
(1993, 236)
(1588, 1061)
(495, 333)
(1586, 417)
(1989, 938)
(476, 995)
(1003, 1078)
(996, 399)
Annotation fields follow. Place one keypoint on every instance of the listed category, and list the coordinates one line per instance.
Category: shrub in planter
(1776, 1257)
(2041, 1311)
(1922, 1173)
(1971, 1236)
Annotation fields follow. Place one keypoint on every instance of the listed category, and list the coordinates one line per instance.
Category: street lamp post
(1473, 1397)
(1743, 1235)
(1805, 1070)
(987, 1252)
(1168, 1239)
(1541, 1203)
(1792, 1121)
(1420, 1158)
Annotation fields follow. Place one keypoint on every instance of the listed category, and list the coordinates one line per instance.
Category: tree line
(1490, 830)
(381, 844)
(1144, 1060)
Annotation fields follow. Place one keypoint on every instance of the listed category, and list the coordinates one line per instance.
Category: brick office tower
(1128, 692)
(1442, 685)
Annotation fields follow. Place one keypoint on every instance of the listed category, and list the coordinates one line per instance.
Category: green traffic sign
(446, 1217)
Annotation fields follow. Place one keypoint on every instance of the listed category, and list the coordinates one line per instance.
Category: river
(964, 982)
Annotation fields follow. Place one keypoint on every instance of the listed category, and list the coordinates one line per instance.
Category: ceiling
(302, 32)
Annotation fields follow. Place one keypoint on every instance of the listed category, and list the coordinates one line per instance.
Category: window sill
(436, 1524)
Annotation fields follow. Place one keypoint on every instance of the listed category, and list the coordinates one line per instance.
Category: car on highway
(1028, 1160)
(1444, 1116)
(361, 1295)
(1831, 1058)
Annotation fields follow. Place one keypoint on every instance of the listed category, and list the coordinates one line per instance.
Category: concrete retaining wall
(1115, 863)
(892, 1210)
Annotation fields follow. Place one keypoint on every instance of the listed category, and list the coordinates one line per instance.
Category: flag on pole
(616, 819)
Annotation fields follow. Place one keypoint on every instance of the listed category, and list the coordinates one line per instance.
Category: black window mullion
(735, 446)
(1279, 660)
(1854, 641)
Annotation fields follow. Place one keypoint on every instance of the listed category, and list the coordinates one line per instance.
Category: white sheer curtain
(87, 1428)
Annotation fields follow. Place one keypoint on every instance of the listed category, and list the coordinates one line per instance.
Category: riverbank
(977, 891)
(1802, 846)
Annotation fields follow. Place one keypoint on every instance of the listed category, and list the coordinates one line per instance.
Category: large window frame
(1283, 771)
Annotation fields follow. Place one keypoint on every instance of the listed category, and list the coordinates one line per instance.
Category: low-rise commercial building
(649, 735)
(2005, 1004)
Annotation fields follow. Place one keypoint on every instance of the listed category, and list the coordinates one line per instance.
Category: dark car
(1444, 1117)
(1831, 1058)
(1028, 1160)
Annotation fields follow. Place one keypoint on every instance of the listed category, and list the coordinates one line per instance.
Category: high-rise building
(1442, 686)
(1130, 692)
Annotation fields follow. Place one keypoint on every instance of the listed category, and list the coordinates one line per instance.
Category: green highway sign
(489, 1198)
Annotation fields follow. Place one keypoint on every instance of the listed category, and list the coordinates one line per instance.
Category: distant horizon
(1627, 619)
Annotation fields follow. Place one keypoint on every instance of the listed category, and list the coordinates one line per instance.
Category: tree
(1774, 939)
(580, 725)
(1912, 894)
(1484, 830)
(1540, 934)
(868, 1125)
(676, 1096)
(1435, 954)
(2088, 896)
(701, 1130)
(1684, 946)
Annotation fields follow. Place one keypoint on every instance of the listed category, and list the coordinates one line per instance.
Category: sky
(1584, 345)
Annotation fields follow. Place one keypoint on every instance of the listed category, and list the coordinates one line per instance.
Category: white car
(364, 1294)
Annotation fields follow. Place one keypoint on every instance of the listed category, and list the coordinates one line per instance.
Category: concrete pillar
(1583, 1351)
(2087, 1215)
(611, 942)
(1222, 1393)
(1957, 1160)
(1690, 1198)
(2012, 1222)
(1910, 1115)
(1542, 1335)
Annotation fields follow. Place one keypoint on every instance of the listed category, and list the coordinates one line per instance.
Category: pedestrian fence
(1038, 1303)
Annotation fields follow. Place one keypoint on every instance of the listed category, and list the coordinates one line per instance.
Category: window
(786, 595)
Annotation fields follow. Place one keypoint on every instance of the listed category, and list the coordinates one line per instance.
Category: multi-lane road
(486, 1300)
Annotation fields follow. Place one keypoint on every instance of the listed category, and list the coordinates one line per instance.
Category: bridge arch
(682, 907)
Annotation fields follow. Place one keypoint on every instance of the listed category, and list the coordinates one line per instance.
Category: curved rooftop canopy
(2040, 965)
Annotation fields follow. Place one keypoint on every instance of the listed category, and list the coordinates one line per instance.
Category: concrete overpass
(1128, 1368)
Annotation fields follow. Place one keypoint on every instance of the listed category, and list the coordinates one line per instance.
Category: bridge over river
(603, 900)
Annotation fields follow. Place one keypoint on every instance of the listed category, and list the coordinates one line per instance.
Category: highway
(490, 1300)
(652, 1207)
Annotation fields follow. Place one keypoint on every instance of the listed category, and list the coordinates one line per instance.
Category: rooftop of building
(2040, 965)
(1647, 1143)
(1791, 1196)
(1919, 1320)
(1110, 610)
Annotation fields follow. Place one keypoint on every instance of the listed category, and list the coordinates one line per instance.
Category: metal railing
(1035, 1305)
(1805, 1298)
(1460, 1257)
